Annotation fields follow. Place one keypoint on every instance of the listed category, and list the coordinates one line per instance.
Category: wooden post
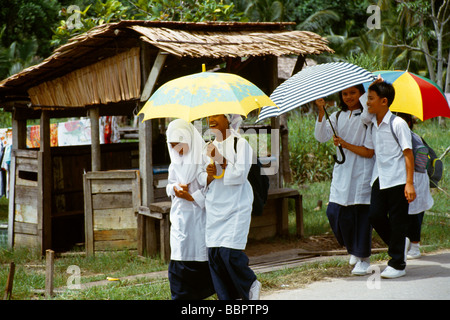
(45, 184)
(154, 74)
(49, 269)
(149, 78)
(9, 282)
(19, 141)
(146, 173)
(88, 217)
(284, 131)
(94, 115)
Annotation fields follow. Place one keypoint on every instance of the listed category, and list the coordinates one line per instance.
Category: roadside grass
(30, 265)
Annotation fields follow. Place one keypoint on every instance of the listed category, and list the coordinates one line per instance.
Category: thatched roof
(181, 39)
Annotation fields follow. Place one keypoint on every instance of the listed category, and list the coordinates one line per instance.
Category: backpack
(425, 158)
(435, 167)
(260, 186)
(419, 149)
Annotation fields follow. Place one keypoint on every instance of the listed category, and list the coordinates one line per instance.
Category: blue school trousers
(415, 226)
(190, 280)
(231, 275)
(351, 227)
(389, 218)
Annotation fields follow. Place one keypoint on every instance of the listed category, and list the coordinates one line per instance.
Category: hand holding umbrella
(320, 103)
(213, 153)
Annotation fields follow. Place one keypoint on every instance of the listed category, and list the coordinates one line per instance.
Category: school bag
(435, 167)
(419, 149)
(425, 158)
(260, 186)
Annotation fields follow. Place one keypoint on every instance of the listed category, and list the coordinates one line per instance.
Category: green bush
(310, 160)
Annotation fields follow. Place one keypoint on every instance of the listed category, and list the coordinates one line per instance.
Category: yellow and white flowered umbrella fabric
(205, 94)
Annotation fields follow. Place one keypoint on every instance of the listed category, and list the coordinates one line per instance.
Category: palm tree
(17, 57)
(268, 10)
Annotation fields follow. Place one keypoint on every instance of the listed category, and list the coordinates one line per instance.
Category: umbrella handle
(221, 175)
(340, 147)
(342, 155)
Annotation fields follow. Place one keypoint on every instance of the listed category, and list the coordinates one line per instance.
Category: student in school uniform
(392, 178)
(424, 201)
(189, 274)
(348, 207)
(228, 211)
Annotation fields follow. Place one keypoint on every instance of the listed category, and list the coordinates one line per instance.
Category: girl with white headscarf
(228, 210)
(189, 274)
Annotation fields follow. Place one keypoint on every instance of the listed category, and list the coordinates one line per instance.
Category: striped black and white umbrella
(313, 83)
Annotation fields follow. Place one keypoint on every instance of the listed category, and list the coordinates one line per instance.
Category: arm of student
(211, 171)
(410, 192)
(322, 129)
(236, 172)
(199, 198)
(180, 193)
(366, 117)
(359, 150)
(170, 183)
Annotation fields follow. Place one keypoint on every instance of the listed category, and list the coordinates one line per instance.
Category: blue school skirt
(231, 275)
(351, 227)
(190, 280)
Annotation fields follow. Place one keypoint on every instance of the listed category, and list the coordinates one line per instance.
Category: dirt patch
(324, 242)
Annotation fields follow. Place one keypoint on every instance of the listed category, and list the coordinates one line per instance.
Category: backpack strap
(392, 128)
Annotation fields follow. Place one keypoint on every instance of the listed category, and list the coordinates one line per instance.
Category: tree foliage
(414, 34)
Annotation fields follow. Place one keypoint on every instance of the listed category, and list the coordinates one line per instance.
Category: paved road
(427, 278)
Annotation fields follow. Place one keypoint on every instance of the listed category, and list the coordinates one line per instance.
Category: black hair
(407, 117)
(342, 105)
(384, 90)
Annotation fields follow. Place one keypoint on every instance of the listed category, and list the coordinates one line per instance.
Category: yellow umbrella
(205, 94)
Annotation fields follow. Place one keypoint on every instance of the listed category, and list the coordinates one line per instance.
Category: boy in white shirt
(392, 178)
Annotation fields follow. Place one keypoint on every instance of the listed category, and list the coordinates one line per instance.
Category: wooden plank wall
(25, 199)
(111, 200)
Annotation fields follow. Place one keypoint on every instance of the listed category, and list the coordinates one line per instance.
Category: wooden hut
(59, 195)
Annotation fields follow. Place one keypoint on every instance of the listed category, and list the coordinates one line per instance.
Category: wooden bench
(148, 242)
(281, 196)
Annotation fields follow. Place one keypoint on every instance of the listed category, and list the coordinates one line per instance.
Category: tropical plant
(18, 56)
(108, 11)
(270, 11)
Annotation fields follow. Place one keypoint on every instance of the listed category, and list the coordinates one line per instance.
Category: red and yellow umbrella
(416, 95)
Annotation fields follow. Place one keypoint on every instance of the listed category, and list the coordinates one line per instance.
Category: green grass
(4, 210)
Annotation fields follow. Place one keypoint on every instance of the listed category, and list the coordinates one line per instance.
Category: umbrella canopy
(205, 94)
(313, 83)
(415, 95)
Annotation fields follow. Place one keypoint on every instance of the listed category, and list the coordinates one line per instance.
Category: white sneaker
(414, 251)
(255, 290)
(353, 260)
(391, 273)
(361, 267)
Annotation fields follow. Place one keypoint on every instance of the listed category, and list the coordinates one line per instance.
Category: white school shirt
(229, 200)
(350, 184)
(188, 220)
(390, 165)
(424, 201)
